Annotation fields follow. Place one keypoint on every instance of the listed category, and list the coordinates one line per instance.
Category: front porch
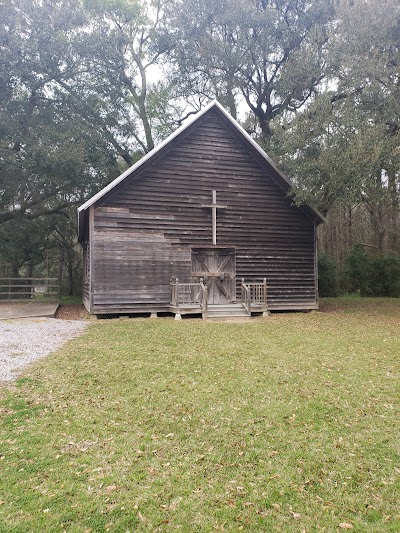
(193, 298)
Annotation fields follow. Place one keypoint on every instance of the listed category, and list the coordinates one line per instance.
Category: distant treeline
(87, 87)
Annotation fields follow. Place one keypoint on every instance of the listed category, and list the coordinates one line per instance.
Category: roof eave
(146, 157)
(267, 158)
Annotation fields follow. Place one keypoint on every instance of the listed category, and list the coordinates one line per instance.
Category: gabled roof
(278, 174)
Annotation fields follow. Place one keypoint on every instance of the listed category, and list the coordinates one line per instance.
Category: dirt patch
(72, 312)
(325, 307)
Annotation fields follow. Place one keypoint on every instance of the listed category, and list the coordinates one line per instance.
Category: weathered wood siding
(86, 276)
(145, 227)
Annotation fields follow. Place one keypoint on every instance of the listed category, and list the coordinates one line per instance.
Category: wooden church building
(204, 223)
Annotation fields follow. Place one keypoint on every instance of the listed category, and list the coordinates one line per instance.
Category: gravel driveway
(26, 340)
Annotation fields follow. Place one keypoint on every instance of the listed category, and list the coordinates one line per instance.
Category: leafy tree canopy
(50, 157)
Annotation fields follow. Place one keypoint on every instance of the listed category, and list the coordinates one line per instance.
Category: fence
(19, 289)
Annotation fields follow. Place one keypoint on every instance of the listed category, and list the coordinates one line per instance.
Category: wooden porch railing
(12, 289)
(204, 297)
(194, 295)
(246, 296)
(254, 295)
(189, 295)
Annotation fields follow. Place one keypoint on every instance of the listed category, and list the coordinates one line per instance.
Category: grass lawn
(281, 424)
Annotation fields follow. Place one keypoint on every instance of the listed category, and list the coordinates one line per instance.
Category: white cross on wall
(214, 206)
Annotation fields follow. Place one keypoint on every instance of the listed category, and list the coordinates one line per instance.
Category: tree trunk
(70, 266)
(15, 270)
(393, 211)
(60, 267)
(30, 269)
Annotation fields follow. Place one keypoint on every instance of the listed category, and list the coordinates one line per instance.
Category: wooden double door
(217, 267)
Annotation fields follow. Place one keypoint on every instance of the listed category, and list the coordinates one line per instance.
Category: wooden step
(230, 307)
(227, 311)
(228, 318)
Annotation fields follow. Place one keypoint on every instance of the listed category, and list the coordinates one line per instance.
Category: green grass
(71, 300)
(288, 423)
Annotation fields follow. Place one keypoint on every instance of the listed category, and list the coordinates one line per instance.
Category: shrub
(327, 281)
(385, 275)
(357, 269)
(368, 275)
